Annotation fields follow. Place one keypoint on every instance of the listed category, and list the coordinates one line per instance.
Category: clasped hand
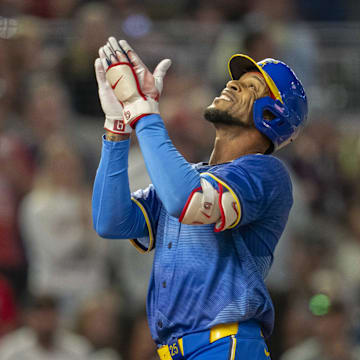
(127, 88)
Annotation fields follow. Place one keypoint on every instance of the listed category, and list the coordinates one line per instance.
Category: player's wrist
(110, 136)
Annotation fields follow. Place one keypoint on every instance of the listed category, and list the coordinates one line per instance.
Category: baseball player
(214, 227)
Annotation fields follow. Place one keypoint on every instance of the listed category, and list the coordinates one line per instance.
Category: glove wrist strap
(117, 125)
(139, 108)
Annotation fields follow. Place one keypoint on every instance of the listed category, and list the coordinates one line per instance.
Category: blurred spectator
(26, 49)
(92, 29)
(281, 276)
(66, 258)
(207, 13)
(51, 8)
(42, 338)
(330, 340)
(309, 251)
(323, 10)
(183, 116)
(144, 349)
(294, 39)
(8, 90)
(251, 37)
(16, 171)
(12, 7)
(347, 156)
(132, 271)
(8, 308)
(98, 322)
(348, 255)
(296, 325)
(233, 10)
(229, 11)
(259, 45)
(47, 113)
(46, 110)
(229, 41)
(316, 161)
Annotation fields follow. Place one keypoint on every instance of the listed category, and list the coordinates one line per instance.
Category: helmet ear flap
(273, 119)
(268, 115)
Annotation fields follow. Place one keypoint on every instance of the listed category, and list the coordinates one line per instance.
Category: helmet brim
(239, 64)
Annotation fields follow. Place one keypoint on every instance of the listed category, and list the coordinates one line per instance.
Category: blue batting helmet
(288, 102)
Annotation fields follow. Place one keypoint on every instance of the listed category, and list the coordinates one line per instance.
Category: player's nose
(233, 85)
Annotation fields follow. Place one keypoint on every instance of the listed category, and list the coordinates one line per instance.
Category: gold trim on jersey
(148, 224)
(232, 192)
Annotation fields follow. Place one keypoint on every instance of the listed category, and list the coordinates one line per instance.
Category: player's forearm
(114, 214)
(173, 177)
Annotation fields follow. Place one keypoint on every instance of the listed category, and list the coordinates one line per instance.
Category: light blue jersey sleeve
(173, 177)
(117, 214)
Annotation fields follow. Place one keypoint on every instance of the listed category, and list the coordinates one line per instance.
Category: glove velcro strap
(139, 108)
(117, 125)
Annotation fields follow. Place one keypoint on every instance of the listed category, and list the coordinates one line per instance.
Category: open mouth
(226, 95)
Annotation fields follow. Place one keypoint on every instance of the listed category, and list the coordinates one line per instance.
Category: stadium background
(50, 128)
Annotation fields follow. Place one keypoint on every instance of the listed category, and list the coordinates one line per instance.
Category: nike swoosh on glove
(134, 85)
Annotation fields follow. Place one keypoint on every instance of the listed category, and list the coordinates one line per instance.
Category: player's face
(238, 97)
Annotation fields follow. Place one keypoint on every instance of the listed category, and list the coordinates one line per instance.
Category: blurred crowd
(65, 293)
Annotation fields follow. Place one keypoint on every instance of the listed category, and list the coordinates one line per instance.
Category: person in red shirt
(8, 310)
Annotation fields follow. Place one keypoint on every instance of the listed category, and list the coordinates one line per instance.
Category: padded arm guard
(211, 203)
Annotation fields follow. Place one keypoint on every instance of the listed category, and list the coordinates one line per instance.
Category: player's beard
(218, 117)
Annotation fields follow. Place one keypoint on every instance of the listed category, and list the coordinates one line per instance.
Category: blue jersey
(200, 277)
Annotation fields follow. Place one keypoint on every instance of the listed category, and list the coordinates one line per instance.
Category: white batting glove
(111, 106)
(134, 85)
